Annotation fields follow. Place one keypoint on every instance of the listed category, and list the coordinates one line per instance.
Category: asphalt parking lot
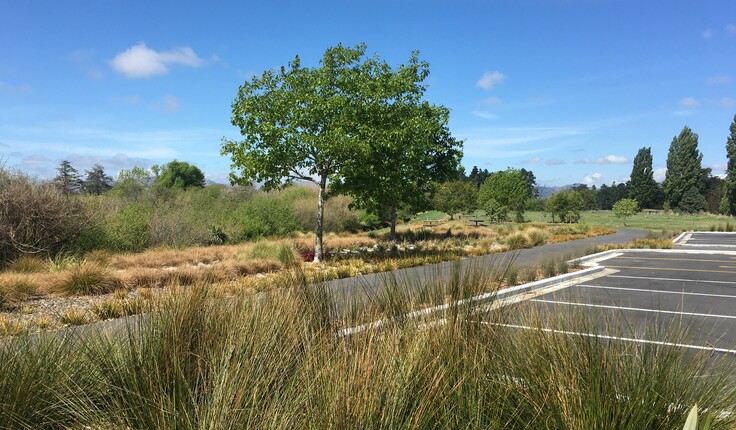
(646, 296)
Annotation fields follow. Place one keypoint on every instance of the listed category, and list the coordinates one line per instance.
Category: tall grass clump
(16, 288)
(89, 278)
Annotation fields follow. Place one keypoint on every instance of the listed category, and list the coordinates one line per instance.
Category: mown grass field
(663, 221)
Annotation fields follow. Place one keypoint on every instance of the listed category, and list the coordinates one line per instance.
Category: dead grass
(88, 278)
(16, 288)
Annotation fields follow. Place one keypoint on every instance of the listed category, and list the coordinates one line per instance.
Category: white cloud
(485, 115)
(168, 103)
(490, 80)
(659, 174)
(612, 159)
(493, 101)
(140, 61)
(718, 80)
(554, 162)
(731, 29)
(689, 102)
(593, 178)
(707, 34)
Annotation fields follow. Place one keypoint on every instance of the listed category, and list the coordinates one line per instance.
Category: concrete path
(357, 291)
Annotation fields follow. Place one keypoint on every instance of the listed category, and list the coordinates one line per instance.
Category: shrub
(74, 317)
(26, 264)
(35, 218)
(536, 236)
(517, 240)
(16, 288)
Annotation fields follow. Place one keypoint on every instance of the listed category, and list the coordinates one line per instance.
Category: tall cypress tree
(730, 188)
(683, 167)
(643, 188)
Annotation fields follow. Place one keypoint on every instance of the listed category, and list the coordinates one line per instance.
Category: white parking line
(672, 279)
(625, 339)
(624, 308)
(640, 290)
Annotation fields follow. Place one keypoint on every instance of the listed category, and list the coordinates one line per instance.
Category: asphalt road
(358, 291)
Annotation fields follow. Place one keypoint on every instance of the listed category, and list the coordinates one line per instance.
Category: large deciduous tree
(729, 197)
(178, 175)
(642, 187)
(317, 124)
(684, 170)
(509, 188)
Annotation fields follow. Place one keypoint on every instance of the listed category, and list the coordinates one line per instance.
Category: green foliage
(96, 181)
(625, 208)
(496, 211)
(684, 170)
(131, 184)
(67, 180)
(509, 188)
(565, 205)
(456, 196)
(179, 175)
(730, 186)
(692, 201)
(642, 186)
(266, 216)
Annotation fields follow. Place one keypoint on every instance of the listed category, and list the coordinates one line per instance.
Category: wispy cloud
(731, 29)
(140, 61)
(554, 162)
(85, 61)
(533, 160)
(718, 80)
(168, 103)
(485, 115)
(493, 101)
(15, 89)
(126, 100)
(490, 80)
(689, 102)
(686, 112)
(726, 102)
(707, 34)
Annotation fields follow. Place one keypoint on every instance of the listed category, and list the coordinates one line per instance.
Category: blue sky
(569, 89)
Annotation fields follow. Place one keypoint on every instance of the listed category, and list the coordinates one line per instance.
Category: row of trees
(172, 175)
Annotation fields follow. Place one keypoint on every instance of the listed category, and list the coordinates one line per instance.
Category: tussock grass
(74, 316)
(26, 264)
(16, 288)
(204, 360)
(89, 279)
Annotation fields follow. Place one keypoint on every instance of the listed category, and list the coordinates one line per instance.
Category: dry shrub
(35, 218)
(89, 279)
(517, 240)
(338, 216)
(536, 236)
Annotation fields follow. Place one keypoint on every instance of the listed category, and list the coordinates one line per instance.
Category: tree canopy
(350, 122)
(684, 170)
(508, 188)
(456, 196)
(67, 180)
(642, 186)
(96, 181)
(730, 186)
(179, 175)
(566, 205)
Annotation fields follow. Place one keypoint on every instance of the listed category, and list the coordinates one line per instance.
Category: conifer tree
(97, 181)
(730, 189)
(683, 167)
(643, 188)
(67, 180)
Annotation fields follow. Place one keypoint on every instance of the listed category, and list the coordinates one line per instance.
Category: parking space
(707, 240)
(647, 297)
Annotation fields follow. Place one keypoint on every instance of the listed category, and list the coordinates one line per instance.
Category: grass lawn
(668, 221)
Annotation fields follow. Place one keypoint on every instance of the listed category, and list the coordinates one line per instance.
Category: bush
(89, 278)
(35, 218)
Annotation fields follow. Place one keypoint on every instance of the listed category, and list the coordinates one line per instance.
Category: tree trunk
(392, 235)
(320, 219)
